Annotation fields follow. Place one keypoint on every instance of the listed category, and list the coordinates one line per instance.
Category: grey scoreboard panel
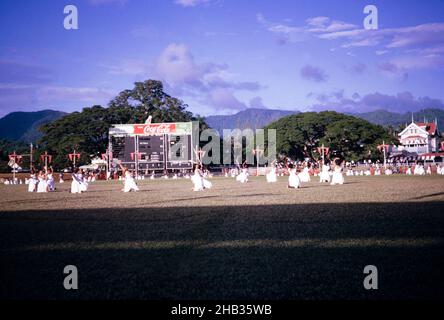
(152, 154)
(154, 151)
(179, 157)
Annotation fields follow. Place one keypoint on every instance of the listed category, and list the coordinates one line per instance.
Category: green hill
(386, 118)
(24, 126)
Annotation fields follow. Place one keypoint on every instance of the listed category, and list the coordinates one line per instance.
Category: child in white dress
(77, 181)
(243, 175)
(32, 182)
(304, 175)
(84, 183)
(337, 177)
(199, 183)
(293, 179)
(42, 185)
(130, 183)
(419, 170)
(272, 176)
(50, 181)
(324, 176)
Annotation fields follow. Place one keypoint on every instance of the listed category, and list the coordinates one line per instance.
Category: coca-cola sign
(151, 129)
(155, 128)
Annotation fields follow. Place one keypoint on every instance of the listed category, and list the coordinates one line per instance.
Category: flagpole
(13, 169)
(323, 158)
(30, 158)
(385, 161)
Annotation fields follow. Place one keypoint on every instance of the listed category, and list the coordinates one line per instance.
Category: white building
(419, 138)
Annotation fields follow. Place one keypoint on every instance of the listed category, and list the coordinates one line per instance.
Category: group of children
(41, 182)
(377, 170)
(295, 178)
(298, 173)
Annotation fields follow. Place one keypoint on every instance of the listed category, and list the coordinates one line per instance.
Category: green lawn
(253, 241)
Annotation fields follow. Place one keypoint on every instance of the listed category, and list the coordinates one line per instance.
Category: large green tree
(87, 131)
(348, 137)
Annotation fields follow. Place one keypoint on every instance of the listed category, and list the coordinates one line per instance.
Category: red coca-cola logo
(155, 129)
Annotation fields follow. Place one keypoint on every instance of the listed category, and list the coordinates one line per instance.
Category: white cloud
(211, 84)
(133, 67)
(191, 3)
(82, 94)
(423, 42)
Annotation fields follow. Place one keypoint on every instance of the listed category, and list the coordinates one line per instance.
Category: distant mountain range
(23, 126)
(253, 118)
(386, 118)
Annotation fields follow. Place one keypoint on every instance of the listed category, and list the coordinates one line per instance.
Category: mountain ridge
(23, 126)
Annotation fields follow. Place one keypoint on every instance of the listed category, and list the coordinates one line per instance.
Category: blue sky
(222, 56)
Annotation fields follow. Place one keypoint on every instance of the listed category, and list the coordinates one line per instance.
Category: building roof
(436, 154)
(430, 127)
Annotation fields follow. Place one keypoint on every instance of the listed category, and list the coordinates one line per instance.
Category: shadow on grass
(305, 251)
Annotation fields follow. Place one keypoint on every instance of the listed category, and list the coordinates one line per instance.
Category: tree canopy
(8, 147)
(87, 131)
(348, 137)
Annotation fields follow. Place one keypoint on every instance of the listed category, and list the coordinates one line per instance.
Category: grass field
(253, 241)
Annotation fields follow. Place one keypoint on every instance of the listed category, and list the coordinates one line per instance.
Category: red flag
(382, 146)
(325, 150)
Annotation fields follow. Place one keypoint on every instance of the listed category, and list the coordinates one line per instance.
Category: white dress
(197, 180)
(83, 185)
(76, 183)
(243, 176)
(51, 183)
(32, 183)
(272, 176)
(409, 171)
(207, 184)
(419, 170)
(42, 186)
(293, 179)
(337, 177)
(324, 176)
(130, 184)
(304, 175)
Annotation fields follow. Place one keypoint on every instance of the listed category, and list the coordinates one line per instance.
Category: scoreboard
(153, 146)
